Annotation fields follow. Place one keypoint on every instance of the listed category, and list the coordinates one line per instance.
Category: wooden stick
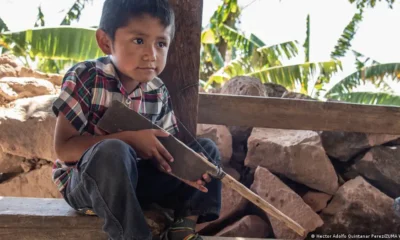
(230, 182)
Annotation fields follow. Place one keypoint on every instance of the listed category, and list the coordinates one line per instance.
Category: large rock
(12, 88)
(359, 208)
(8, 66)
(232, 205)
(221, 136)
(56, 79)
(296, 154)
(6, 70)
(296, 95)
(37, 183)
(274, 191)
(381, 166)
(248, 227)
(345, 145)
(10, 163)
(316, 200)
(274, 90)
(8, 59)
(243, 85)
(34, 122)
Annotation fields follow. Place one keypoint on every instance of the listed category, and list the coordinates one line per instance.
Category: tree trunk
(181, 74)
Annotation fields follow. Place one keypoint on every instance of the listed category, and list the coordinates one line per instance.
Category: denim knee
(112, 157)
(211, 149)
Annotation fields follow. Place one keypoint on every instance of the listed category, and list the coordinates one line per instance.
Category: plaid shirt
(87, 91)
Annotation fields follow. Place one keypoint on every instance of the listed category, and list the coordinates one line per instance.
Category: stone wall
(329, 182)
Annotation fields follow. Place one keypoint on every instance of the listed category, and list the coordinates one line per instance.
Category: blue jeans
(111, 181)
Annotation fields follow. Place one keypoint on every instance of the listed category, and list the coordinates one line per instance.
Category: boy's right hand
(147, 145)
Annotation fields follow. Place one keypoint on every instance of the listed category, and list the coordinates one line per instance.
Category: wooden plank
(41, 213)
(52, 219)
(297, 114)
(181, 74)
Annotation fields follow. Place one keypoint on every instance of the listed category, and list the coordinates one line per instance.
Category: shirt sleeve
(167, 119)
(75, 97)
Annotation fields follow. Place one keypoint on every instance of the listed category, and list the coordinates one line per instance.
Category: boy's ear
(103, 41)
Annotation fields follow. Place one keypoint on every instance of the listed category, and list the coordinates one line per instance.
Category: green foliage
(298, 75)
(60, 44)
(344, 42)
(370, 3)
(3, 26)
(40, 18)
(74, 12)
(374, 74)
(371, 98)
(306, 44)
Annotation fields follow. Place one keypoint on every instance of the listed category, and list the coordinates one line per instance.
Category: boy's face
(140, 48)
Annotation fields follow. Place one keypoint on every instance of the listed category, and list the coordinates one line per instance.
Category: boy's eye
(138, 41)
(162, 44)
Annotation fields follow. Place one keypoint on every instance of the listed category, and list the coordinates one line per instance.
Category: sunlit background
(273, 21)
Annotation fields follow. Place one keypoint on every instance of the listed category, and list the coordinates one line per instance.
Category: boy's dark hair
(117, 13)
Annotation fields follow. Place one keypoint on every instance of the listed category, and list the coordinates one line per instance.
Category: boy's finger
(203, 189)
(199, 182)
(162, 161)
(160, 133)
(206, 177)
(164, 152)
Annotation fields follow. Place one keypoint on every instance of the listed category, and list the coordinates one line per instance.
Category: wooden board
(297, 114)
(181, 74)
(50, 219)
(40, 218)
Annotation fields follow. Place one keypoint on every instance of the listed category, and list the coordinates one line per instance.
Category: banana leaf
(75, 12)
(293, 76)
(371, 98)
(374, 74)
(57, 43)
(344, 42)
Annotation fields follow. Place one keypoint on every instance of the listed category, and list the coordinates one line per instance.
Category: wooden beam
(48, 218)
(181, 74)
(297, 114)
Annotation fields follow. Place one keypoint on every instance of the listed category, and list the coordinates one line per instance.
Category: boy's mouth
(147, 68)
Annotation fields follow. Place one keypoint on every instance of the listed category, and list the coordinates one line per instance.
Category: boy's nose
(150, 54)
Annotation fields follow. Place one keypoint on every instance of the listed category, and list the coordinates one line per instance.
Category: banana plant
(51, 49)
(256, 59)
(63, 44)
(346, 89)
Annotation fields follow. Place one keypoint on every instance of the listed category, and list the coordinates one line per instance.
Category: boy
(111, 175)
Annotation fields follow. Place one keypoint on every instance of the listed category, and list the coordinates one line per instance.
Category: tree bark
(181, 74)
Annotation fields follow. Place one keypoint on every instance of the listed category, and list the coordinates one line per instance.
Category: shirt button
(128, 101)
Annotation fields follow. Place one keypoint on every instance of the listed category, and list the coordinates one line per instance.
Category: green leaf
(241, 42)
(360, 64)
(40, 18)
(60, 43)
(374, 74)
(293, 76)
(370, 98)
(54, 66)
(371, 3)
(306, 44)
(3, 26)
(216, 58)
(74, 13)
(258, 41)
(344, 42)
(271, 55)
(208, 37)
